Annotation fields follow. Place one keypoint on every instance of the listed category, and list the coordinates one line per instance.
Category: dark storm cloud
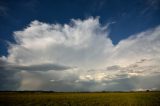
(8, 80)
(10, 77)
(39, 67)
(135, 83)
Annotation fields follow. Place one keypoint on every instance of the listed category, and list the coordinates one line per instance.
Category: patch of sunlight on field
(79, 99)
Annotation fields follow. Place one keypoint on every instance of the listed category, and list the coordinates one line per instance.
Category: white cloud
(81, 56)
(81, 43)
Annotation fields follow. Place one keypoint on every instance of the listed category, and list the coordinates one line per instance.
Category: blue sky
(126, 17)
(80, 45)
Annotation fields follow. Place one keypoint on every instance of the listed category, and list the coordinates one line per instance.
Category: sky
(80, 45)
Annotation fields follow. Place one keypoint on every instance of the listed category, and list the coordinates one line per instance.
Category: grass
(80, 99)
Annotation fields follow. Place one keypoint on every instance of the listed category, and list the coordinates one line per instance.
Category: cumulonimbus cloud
(81, 56)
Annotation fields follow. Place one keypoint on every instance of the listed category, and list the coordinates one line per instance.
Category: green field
(80, 99)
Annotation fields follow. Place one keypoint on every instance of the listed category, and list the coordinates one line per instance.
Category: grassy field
(79, 99)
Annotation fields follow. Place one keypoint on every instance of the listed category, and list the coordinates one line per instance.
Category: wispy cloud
(3, 11)
(151, 5)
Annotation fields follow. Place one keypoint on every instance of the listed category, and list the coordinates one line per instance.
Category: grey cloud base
(80, 56)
